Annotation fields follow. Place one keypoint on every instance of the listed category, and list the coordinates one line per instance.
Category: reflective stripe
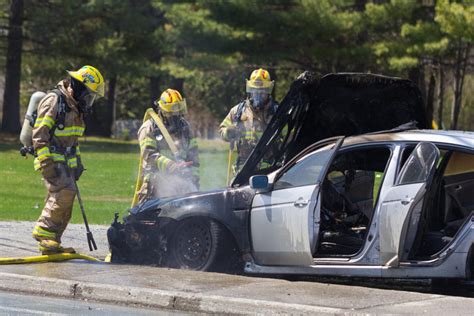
(72, 162)
(148, 142)
(43, 233)
(162, 163)
(45, 121)
(70, 131)
(43, 153)
(252, 135)
(54, 156)
(78, 151)
(226, 122)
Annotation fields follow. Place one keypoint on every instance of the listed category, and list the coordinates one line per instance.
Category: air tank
(27, 128)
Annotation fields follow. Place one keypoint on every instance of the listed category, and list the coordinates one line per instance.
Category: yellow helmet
(171, 103)
(260, 81)
(91, 78)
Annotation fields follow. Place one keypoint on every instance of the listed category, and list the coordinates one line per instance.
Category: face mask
(173, 122)
(259, 100)
(83, 96)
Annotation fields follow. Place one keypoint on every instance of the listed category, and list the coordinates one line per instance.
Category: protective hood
(336, 104)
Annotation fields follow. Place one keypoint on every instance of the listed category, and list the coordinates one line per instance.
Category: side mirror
(260, 183)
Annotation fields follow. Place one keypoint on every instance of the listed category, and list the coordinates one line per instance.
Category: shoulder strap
(62, 109)
(274, 106)
(163, 130)
(240, 111)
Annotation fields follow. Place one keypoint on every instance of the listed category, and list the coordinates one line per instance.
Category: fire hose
(48, 258)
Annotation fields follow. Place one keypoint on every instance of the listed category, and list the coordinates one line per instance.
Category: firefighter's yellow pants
(57, 211)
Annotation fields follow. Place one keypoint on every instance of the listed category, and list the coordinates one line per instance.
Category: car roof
(458, 138)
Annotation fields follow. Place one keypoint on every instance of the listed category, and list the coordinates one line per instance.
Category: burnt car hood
(336, 104)
(219, 203)
(151, 206)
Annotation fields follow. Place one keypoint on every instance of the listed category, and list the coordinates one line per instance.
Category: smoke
(172, 184)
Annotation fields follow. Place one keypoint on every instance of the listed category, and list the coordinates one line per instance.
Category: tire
(199, 244)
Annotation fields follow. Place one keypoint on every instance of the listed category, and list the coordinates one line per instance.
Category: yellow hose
(48, 258)
(231, 158)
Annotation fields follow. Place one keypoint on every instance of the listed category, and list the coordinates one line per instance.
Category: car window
(459, 163)
(306, 171)
(358, 174)
(418, 166)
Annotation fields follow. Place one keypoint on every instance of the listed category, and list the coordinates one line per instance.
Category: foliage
(208, 47)
(106, 186)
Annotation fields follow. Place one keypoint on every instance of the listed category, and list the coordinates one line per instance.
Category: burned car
(394, 203)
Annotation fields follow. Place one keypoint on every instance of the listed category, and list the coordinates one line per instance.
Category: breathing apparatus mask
(258, 100)
(84, 97)
(173, 122)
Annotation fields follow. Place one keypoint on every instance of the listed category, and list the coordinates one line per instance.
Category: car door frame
(394, 227)
(312, 217)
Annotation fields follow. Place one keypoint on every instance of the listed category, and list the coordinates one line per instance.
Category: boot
(51, 247)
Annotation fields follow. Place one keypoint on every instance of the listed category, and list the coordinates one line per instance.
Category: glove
(232, 132)
(48, 170)
(180, 166)
(78, 170)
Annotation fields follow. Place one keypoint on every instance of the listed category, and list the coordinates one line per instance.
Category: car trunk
(336, 104)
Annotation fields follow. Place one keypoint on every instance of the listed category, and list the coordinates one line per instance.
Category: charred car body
(392, 204)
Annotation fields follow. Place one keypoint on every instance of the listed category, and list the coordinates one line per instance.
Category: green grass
(106, 186)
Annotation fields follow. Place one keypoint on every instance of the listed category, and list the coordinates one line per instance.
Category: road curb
(176, 300)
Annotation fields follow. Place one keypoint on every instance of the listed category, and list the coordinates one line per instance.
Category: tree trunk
(430, 98)
(417, 75)
(441, 97)
(11, 96)
(110, 115)
(155, 89)
(178, 84)
(461, 63)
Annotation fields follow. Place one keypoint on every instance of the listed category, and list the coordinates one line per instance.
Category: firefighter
(245, 123)
(166, 173)
(58, 126)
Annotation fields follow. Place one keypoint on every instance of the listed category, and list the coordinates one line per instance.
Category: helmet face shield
(172, 109)
(89, 98)
(259, 86)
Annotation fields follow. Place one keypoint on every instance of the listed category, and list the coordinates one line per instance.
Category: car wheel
(198, 244)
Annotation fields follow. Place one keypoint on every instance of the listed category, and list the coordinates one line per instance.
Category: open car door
(284, 222)
(401, 208)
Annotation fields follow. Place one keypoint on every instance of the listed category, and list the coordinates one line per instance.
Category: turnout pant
(57, 211)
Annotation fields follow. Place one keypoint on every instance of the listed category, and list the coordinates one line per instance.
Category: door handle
(406, 202)
(301, 203)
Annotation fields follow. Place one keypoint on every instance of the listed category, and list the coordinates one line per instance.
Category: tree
(11, 97)
(456, 21)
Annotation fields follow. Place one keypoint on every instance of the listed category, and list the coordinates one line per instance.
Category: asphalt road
(22, 304)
